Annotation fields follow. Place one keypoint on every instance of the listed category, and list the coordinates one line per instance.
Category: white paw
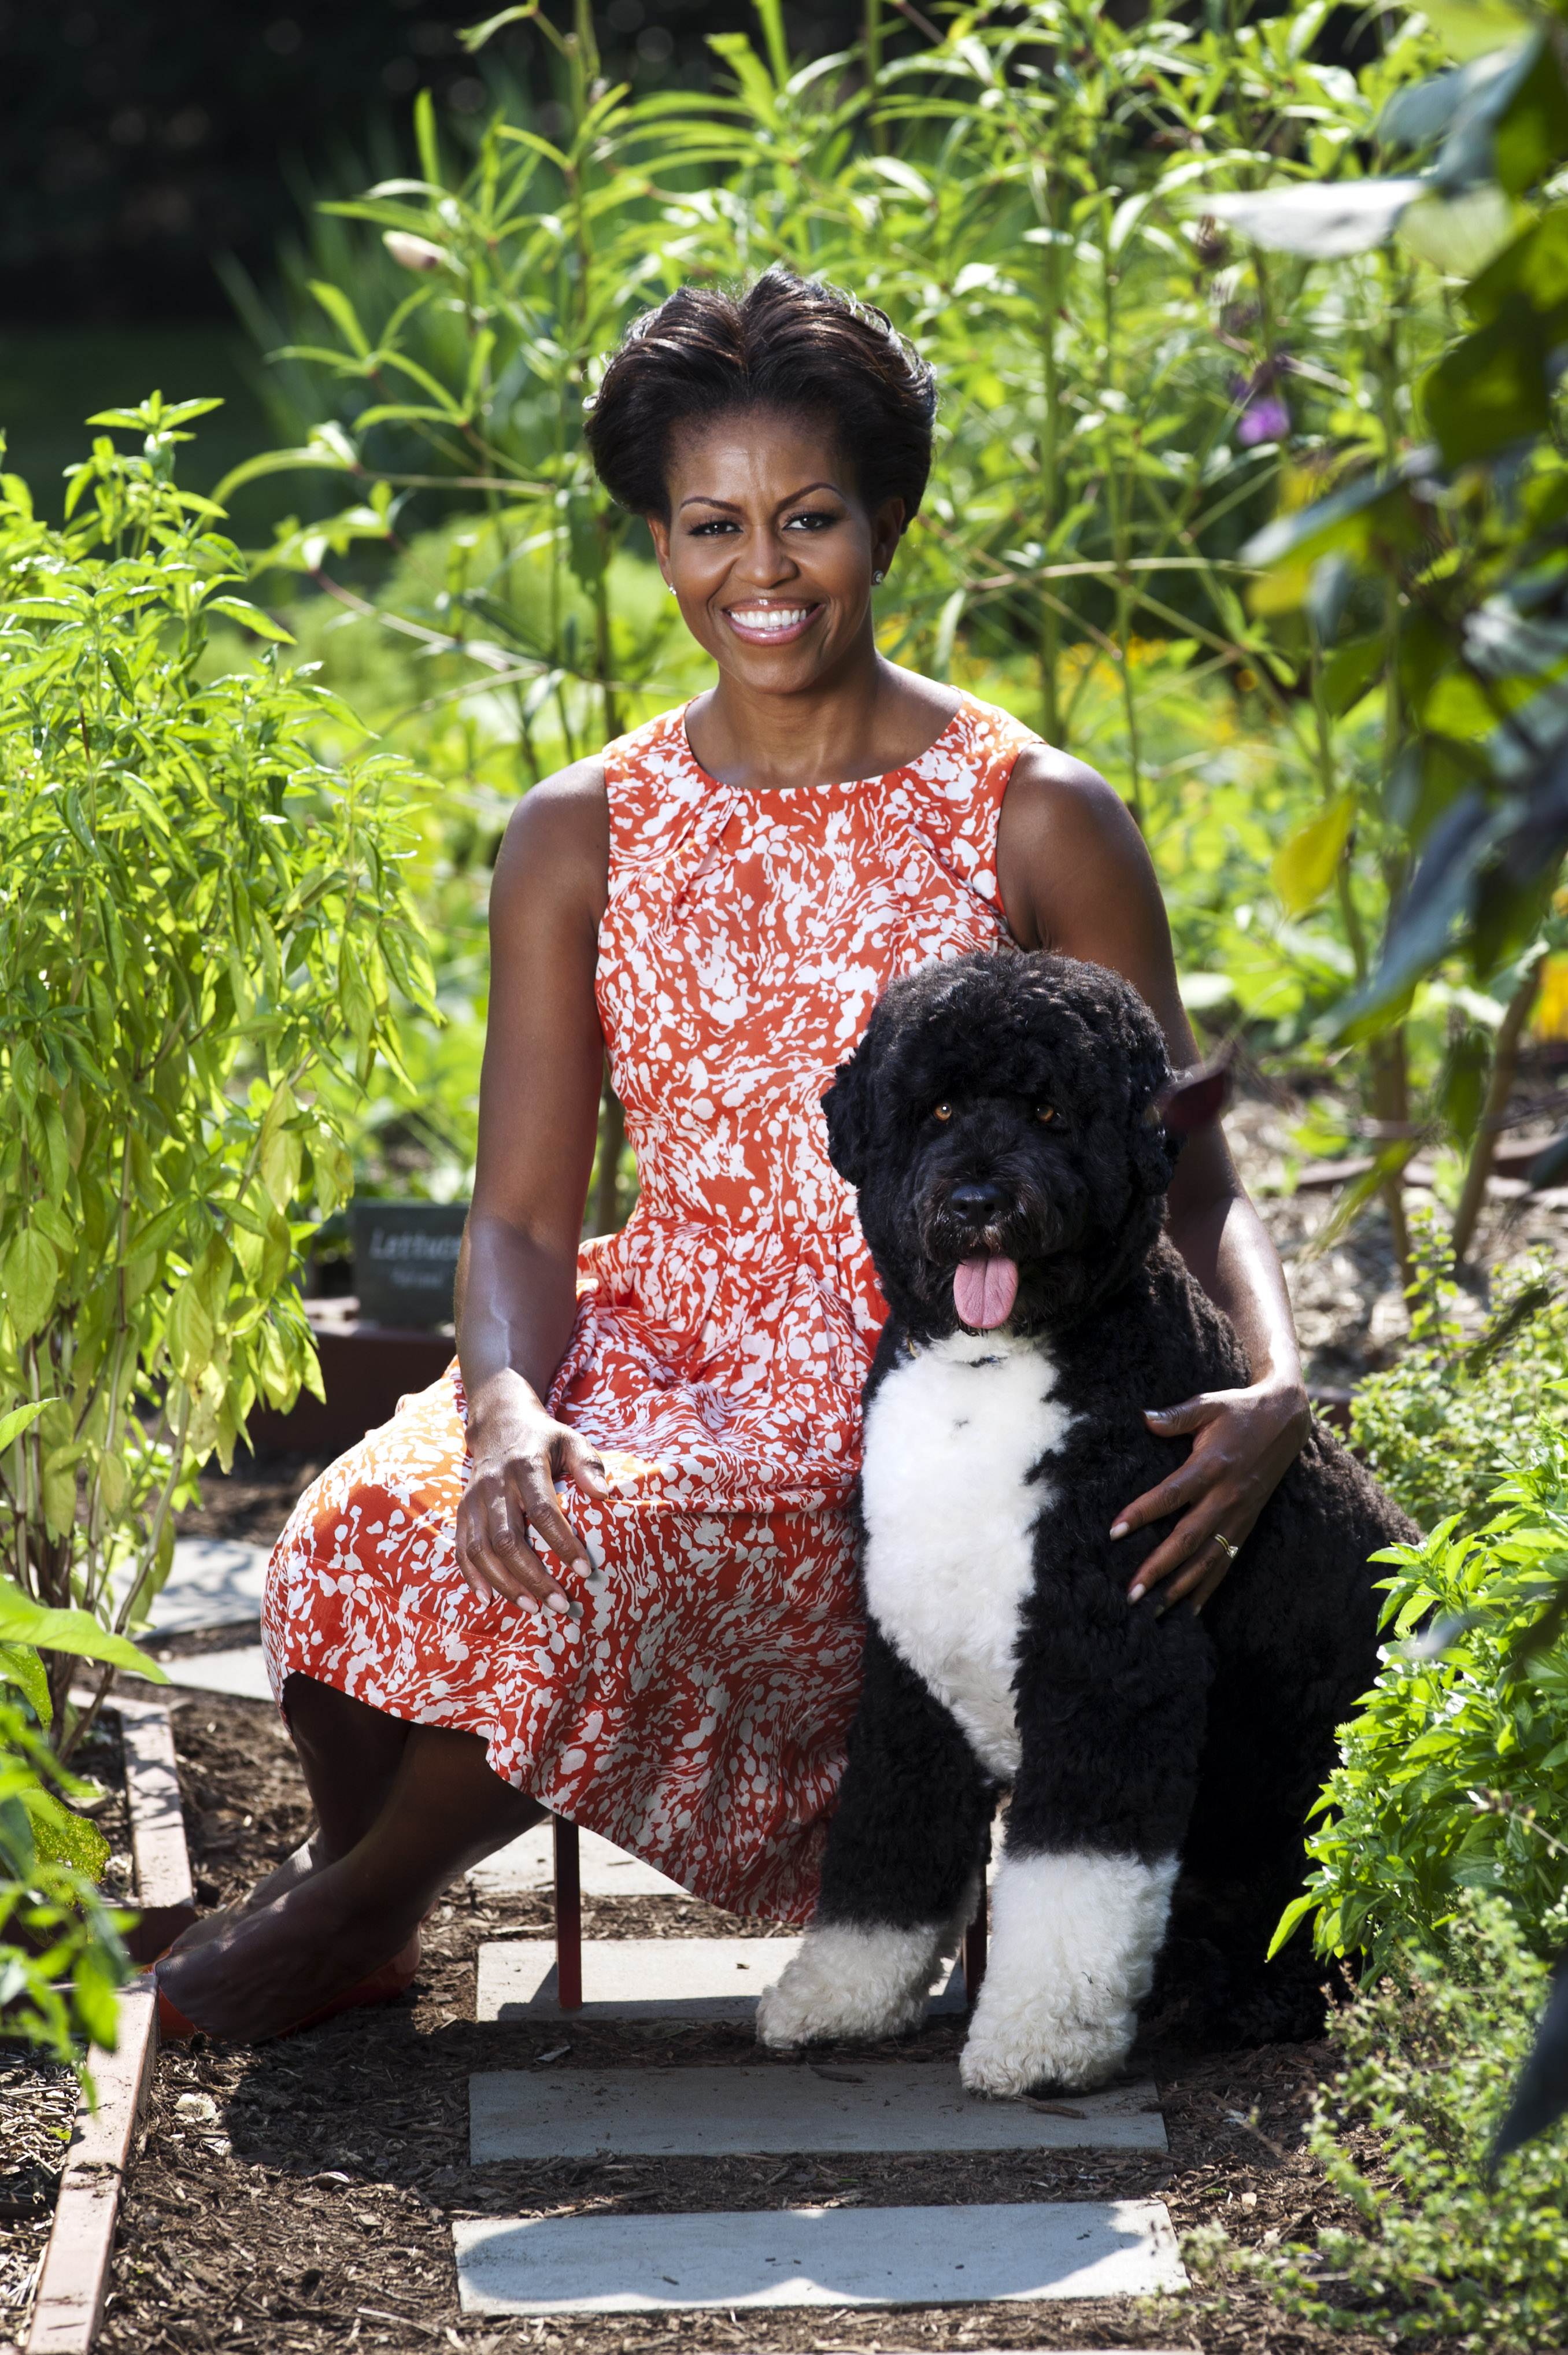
(1006, 2057)
(1073, 1938)
(844, 1982)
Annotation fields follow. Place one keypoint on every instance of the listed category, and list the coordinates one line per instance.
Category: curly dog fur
(1000, 1121)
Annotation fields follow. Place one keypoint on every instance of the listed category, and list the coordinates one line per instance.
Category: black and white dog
(1001, 1121)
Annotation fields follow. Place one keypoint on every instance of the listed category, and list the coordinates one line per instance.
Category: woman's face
(769, 548)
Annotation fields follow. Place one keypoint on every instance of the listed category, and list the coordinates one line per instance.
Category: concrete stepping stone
(214, 1582)
(817, 2257)
(646, 1979)
(768, 2111)
(528, 1863)
(242, 1672)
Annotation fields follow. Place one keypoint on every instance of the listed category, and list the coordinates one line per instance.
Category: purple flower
(1264, 420)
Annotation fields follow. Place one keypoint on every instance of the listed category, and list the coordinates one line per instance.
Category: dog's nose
(977, 1200)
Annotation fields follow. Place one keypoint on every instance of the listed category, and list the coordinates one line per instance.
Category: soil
(300, 2196)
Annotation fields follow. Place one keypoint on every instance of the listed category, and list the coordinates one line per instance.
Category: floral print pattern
(695, 1708)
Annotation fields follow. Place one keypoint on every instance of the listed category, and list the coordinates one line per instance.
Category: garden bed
(301, 2195)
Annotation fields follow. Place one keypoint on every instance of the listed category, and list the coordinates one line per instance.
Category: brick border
(73, 2280)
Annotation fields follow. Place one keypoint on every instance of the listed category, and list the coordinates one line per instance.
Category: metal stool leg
(568, 1918)
(975, 1950)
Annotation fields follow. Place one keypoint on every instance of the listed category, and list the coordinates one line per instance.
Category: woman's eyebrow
(706, 499)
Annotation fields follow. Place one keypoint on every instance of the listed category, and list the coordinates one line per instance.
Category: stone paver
(242, 1672)
(214, 1582)
(816, 2257)
(528, 1863)
(766, 2110)
(642, 1978)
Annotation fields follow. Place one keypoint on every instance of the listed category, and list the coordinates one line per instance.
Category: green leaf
(62, 1837)
(20, 1666)
(1469, 28)
(190, 1334)
(1304, 869)
(1534, 267)
(28, 1276)
(1533, 136)
(21, 1418)
(342, 313)
(1349, 672)
(1460, 235)
(23, 1621)
(239, 610)
(1491, 390)
(1295, 1913)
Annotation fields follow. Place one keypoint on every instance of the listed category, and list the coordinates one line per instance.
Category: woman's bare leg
(402, 1810)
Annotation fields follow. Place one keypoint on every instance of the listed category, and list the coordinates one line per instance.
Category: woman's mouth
(770, 625)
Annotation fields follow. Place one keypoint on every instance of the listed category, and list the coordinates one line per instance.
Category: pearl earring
(879, 576)
(670, 586)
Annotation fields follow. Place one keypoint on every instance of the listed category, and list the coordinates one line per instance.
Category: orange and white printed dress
(696, 1714)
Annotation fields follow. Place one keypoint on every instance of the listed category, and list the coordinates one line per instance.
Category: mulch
(300, 2196)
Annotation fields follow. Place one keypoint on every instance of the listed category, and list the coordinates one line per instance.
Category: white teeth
(770, 617)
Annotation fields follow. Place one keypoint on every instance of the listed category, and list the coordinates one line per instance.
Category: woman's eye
(702, 530)
(812, 518)
(942, 1112)
(1045, 1114)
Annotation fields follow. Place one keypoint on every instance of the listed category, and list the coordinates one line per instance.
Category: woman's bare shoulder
(557, 840)
(1069, 859)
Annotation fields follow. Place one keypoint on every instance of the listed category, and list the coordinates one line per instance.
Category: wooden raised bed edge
(73, 2281)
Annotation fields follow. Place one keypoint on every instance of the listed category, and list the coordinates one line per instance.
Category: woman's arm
(538, 1109)
(1074, 876)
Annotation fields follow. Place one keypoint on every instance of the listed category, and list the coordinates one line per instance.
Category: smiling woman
(717, 902)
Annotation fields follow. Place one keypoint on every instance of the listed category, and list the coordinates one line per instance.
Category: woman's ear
(846, 1109)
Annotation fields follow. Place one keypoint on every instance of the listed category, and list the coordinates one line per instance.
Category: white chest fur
(951, 1438)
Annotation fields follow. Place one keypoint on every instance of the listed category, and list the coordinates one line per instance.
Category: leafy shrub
(1432, 2053)
(1414, 1816)
(60, 1955)
(1441, 1427)
(199, 918)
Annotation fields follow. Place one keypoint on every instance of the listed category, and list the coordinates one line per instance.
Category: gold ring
(1230, 1552)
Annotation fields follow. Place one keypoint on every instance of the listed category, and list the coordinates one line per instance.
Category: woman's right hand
(520, 1456)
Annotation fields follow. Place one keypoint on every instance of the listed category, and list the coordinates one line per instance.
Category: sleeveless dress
(696, 1712)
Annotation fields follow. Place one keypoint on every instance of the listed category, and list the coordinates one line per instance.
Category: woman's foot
(264, 1968)
(276, 1883)
(312, 1931)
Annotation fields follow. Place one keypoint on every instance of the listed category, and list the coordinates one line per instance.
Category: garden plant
(198, 918)
(61, 1957)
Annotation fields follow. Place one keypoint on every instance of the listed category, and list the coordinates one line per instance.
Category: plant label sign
(405, 1261)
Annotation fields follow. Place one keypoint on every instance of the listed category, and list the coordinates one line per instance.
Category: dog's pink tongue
(984, 1291)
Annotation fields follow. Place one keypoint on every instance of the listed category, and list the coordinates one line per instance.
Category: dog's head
(1002, 1118)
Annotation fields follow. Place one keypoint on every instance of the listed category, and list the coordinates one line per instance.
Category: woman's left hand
(1244, 1443)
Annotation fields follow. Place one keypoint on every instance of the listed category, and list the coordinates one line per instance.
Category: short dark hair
(795, 344)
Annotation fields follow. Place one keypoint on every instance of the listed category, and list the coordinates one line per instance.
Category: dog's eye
(942, 1112)
(1045, 1112)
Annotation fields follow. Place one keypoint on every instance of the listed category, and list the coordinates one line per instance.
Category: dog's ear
(846, 1109)
(1155, 1141)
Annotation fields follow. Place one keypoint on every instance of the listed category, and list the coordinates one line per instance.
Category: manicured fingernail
(557, 1601)
(1120, 1529)
(1137, 1594)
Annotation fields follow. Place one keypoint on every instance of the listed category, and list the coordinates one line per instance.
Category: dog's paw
(847, 1982)
(1006, 2058)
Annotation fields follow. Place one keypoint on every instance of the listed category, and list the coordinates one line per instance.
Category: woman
(671, 1657)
